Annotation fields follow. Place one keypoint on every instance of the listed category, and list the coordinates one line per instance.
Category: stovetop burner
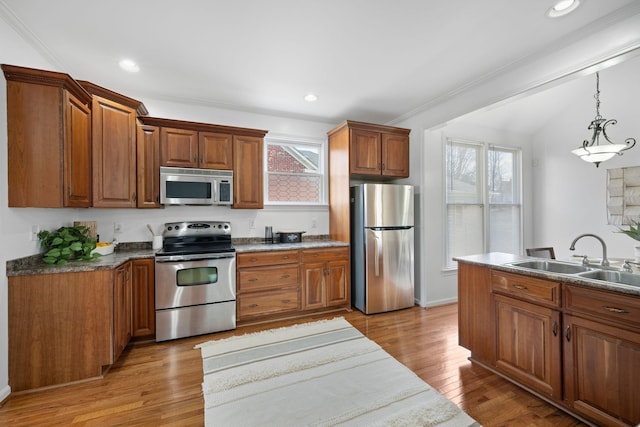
(204, 237)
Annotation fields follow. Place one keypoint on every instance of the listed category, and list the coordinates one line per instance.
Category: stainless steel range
(195, 280)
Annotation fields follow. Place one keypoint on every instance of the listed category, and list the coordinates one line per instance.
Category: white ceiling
(367, 60)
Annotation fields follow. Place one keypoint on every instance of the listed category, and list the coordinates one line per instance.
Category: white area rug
(323, 373)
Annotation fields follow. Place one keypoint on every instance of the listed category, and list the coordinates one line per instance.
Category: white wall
(570, 194)
(601, 42)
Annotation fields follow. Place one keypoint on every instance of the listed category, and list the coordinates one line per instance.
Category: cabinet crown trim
(204, 127)
(47, 78)
(350, 124)
(94, 89)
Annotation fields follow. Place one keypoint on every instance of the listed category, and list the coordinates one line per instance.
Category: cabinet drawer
(529, 288)
(268, 302)
(321, 255)
(605, 305)
(251, 259)
(254, 279)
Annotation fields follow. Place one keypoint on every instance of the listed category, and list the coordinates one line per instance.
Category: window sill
(285, 207)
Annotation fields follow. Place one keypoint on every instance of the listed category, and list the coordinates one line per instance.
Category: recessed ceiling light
(311, 97)
(562, 8)
(129, 65)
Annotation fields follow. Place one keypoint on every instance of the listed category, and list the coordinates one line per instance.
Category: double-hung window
(483, 199)
(294, 172)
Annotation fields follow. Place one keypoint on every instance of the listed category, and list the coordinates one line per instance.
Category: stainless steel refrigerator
(382, 240)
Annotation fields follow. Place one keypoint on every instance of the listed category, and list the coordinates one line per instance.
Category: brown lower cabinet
(290, 282)
(67, 327)
(574, 346)
(143, 322)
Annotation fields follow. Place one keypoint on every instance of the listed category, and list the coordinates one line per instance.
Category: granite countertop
(501, 261)
(33, 264)
(314, 244)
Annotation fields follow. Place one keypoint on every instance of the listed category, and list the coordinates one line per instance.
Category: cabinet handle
(253, 279)
(382, 167)
(521, 287)
(285, 257)
(253, 305)
(615, 310)
(286, 276)
(554, 328)
(567, 333)
(134, 196)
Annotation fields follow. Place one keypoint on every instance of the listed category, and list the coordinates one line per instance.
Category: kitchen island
(570, 339)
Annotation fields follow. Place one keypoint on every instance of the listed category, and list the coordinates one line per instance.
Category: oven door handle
(199, 257)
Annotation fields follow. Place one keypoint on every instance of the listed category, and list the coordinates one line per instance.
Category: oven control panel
(196, 228)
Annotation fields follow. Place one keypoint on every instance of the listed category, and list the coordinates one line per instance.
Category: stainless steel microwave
(191, 186)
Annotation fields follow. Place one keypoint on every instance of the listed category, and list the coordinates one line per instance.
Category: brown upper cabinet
(114, 147)
(49, 139)
(148, 162)
(208, 146)
(187, 148)
(375, 150)
(247, 179)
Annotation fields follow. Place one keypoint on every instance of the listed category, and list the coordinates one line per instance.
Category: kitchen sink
(621, 277)
(552, 266)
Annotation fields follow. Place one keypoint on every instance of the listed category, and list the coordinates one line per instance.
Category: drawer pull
(253, 279)
(554, 328)
(285, 257)
(521, 287)
(615, 310)
(286, 276)
(253, 306)
(253, 260)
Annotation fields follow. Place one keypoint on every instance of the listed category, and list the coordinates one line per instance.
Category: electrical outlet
(314, 223)
(117, 227)
(35, 229)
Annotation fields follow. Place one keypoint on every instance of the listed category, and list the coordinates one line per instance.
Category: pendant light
(592, 151)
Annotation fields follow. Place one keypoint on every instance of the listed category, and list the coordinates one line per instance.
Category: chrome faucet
(605, 261)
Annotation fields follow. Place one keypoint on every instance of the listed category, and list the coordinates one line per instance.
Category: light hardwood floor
(159, 384)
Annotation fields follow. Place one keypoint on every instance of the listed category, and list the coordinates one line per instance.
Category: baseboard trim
(4, 393)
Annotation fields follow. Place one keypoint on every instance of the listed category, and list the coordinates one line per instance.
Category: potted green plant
(67, 244)
(634, 233)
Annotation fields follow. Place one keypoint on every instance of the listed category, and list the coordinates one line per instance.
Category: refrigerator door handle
(377, 254)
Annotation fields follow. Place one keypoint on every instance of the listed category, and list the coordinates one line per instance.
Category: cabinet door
(364, 152)
(337, 283)
(121, 309)
(475, 312)
(602, 371)
(215, 150)
(248, 192)
(313, 286)
(77, 153)
(529, 344)
(395, 155)
(148, 161)
(114, 154)
(144, 315)
(178, 148)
